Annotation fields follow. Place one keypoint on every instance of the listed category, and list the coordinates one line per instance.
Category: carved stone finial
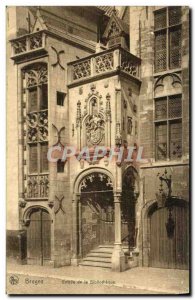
(129, 125)
(93, 87)
(118, 138)
(51, 203)
(114, 11)
(78, 117)
(81, 90)
(82, 162)
(106, 84)
(108, 96)
(108, 108)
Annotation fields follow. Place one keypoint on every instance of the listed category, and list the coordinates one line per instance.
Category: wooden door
(169, 247)
(97, 225)
(39, 238)
(107, 230)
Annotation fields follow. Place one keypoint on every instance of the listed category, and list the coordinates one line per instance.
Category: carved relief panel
(94, 124)
(93, 118)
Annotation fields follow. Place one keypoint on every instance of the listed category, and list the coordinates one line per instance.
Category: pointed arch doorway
(97, 212)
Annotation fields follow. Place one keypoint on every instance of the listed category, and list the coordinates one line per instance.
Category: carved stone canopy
(117, 32)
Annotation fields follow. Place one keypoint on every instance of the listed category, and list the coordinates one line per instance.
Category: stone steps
(96, 264)
(99, 257)
(97, 254)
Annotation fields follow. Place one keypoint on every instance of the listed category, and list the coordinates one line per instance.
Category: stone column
(79, 226)
(21, 160)
(75, 231)
(118, 256)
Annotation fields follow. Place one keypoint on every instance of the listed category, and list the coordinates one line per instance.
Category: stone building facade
(98, 77)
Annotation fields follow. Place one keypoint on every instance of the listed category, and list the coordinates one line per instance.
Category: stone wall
(142, 44)
(59, 116)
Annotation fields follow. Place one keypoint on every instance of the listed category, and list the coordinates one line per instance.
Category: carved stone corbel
(22, 203)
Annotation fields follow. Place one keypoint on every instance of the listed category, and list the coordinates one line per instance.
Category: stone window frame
(168, 121)
(166, 31)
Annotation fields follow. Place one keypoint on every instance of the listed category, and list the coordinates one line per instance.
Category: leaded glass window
(175, 130)
(161, 141)
(175, 48)
(168, 127)
(175, 106)
(161, 108)
(174, 15)
(161, 50)
(168, 33)
(160, 20)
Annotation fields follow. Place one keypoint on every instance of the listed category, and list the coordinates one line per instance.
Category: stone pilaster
(76, 247)
(118, 256)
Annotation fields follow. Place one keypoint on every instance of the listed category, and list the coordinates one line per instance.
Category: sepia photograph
(98, 150)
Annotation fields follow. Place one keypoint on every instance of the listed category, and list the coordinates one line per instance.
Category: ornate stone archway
(92, 188)
(97, 212)
(118, 257)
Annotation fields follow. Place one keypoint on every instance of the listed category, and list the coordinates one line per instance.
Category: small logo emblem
(14, 279)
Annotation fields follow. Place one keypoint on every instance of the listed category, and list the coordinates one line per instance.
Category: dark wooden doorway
(128, 208)
(39, 238)
(169, 237)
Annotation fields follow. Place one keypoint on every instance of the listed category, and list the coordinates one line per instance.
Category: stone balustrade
(28, 43)
(104, 62)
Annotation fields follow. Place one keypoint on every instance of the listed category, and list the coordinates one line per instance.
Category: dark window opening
(44, 161)
(33, 163)
(60, 166)
(60, 98)
(32, 96)
(44, 97)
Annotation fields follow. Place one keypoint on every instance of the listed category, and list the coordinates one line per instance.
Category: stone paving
(153, 280)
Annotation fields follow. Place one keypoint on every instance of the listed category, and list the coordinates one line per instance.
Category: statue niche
(94, 124)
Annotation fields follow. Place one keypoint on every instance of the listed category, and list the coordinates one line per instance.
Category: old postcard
(98, 150)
